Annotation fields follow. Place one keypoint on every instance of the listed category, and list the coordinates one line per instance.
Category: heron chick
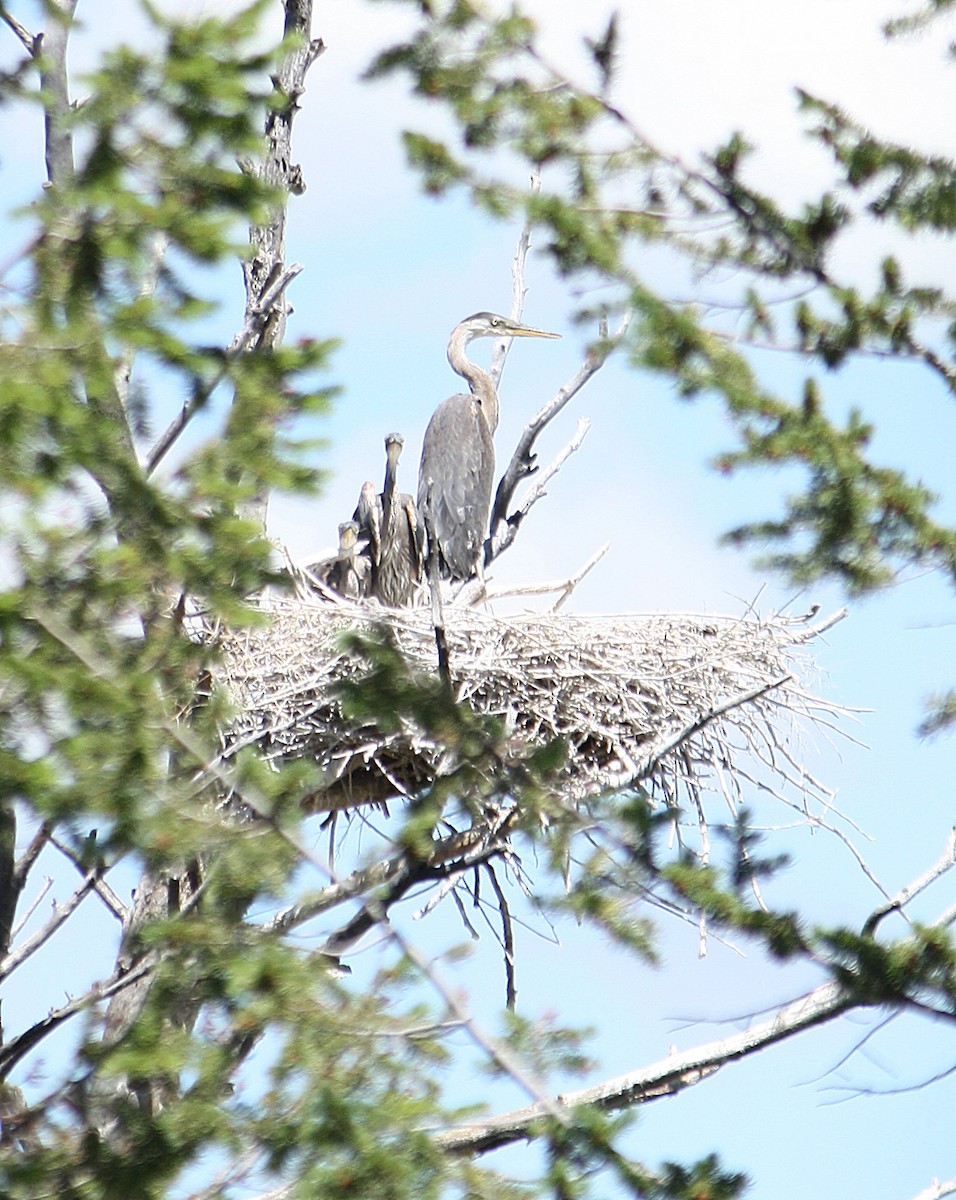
(394, 537)
(458, 455)
(401, 558)
(347, 571)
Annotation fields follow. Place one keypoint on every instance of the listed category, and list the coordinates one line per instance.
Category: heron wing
(454, 487)
(416, 535)
(368, 513)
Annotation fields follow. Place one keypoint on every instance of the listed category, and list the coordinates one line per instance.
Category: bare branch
(278, 168)
(499, 354)
(26, 860)
(653, 758)
(32, 907)
(946, 862)
(29, 41)
(662, 1078)
(101, 887)
(498, 544)
(507, 938)
(18, 1047)
(937, 1189)
(576, 579)
(522, 460)
(54, 82)
(564, 586)
(258, 316)
(60, 914)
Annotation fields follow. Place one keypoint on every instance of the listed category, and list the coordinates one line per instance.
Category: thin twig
(18, 1047)
(60, 914)
(507, 936)
(31, 909)
(497, 545)
(576, 579)
(499, 354)
(256, 319)
(31, 43)
(102, 888)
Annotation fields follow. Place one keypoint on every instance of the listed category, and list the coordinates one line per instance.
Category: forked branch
(522, 460)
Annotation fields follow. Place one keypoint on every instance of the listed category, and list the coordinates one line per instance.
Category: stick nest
(683, 706)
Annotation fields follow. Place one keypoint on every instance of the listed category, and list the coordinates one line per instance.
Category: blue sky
(390, 272)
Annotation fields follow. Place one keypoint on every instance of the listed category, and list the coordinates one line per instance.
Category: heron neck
(479, 381)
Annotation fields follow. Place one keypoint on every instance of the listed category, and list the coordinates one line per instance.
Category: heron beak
(517, 330)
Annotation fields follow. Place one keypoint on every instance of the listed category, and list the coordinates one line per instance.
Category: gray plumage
(368, 517)
(399, 568)
(392, 534)
(347, 573)
(458, 455)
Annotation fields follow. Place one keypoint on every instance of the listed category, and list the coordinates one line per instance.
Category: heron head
(348, 536)
(393, 448)
(486, 324)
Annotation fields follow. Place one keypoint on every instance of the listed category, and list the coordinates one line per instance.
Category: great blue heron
(458, 454)
(368, 517)
(394, 534)
(400, 562)
(348, 571)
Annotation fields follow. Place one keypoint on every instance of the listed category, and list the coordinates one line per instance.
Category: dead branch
(499, 354)
(31, 908)
(678, 1071)
(564, 586)
(499, 544)
(897, 903)
(30, 42)
(663, 1078)
(576, 579)
(16, 1049)
(507, 937)
(61, 912)
(259, 314)
(26, 860)
(54, 83)
(455, 852)
(937, 1190)
(277, 165)
(100, 886)
(522, 460)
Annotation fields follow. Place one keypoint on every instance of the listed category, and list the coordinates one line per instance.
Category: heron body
(458, 455)
(347, 573)
(399, 568)
(368, 517)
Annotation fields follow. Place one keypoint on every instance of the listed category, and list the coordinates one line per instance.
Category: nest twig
(681, 705)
